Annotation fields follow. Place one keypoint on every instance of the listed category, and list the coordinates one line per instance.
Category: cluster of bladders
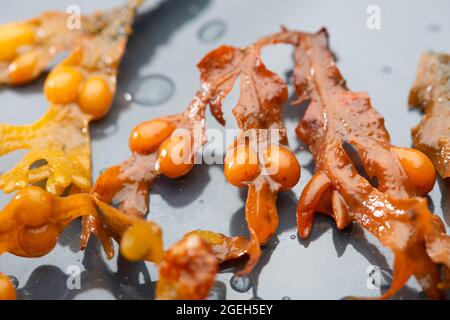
(67, 83)
(32, 222)
(21, 66)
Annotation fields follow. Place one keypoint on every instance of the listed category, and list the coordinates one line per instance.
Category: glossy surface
(24, 234)
(128, 184)
(31, 224)
(241, 165)
(148, 136)
(431, 93)
(187, 271)
(389, 209)
(258, 113)
(332, 264)
(419, 169)
(282, 166)
(95, 97)
(23, 68)
(62, 85)
(58, 143)
(7, 290)
(12, 37)
(175, 157)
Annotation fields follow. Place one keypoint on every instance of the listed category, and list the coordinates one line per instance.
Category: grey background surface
(332, 264)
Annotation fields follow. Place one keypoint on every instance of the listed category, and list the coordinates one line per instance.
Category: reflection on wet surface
(240, 284)
(434, 28)
(212, 31)
(151, 90)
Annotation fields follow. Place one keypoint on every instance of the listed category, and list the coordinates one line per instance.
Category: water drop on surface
(14, 281)
(293, 237)
(240, 284)
(151, 90)
(434, 28)
(386, 69)
(286, 298)
(108, 130)
(216, 294)
(201, 201)
(212, 31)
(127, 96)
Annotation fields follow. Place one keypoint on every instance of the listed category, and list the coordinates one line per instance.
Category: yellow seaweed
(59, 142)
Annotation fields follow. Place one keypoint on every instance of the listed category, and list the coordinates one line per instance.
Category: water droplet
(212, 30)
(386, 69)
(109, 129)
(286, 298)
(14, 281)
(240, 284)
(152, 90)
(216, 294)
(127, 96)
(434, 28)
(201, 201)
(293, 237)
